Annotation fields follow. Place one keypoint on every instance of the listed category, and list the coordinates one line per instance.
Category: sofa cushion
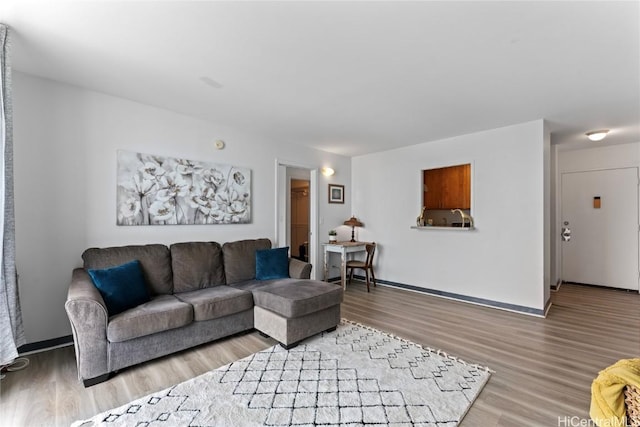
(154, 260)
(272, 263)
(162, 313)
(219, 301)
(122, 287)
(251, 285)
(196, 265)
(297, 298)
(240, 259)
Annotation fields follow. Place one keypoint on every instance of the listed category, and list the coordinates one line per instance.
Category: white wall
(603, 157)
(547, 212)
(586, 159)
(555, 226)
(504, 259)
(65, 172)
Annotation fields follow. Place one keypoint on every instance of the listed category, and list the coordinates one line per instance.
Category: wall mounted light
(597, 135)
(327, 171)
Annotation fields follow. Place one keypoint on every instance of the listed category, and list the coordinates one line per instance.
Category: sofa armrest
(88, 316)
(299, 269)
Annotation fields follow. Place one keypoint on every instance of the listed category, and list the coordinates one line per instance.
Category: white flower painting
(154, 190)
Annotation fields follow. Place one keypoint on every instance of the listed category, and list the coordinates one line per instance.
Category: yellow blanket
(607, 392)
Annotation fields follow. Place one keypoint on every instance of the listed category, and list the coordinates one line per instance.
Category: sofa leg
(97, 380)
(290, 346)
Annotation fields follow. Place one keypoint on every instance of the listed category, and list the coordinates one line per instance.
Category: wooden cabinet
(432, 188)
(447, 188)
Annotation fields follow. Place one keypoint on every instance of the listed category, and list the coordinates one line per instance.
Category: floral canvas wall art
(155, 190)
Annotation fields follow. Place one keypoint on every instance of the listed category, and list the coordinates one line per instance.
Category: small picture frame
(336, 193)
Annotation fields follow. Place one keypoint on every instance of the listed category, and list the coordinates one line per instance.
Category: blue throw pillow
(272, 263)
(122, 287)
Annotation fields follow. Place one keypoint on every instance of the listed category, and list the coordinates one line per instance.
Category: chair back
(371, 250)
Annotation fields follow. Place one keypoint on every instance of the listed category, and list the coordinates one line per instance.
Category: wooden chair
(366, 265)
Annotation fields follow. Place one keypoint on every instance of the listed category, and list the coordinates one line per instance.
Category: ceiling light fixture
(210, 82)
(327, 171)
(597, 135)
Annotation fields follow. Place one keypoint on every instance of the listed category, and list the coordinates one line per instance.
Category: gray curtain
(11, 330)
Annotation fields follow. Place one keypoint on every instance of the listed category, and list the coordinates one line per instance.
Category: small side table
(342, 248)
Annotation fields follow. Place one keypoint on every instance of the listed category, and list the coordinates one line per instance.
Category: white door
(603, 247)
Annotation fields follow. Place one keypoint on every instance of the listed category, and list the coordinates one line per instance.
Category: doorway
(299, 215)
(286, 173)
(599, 213)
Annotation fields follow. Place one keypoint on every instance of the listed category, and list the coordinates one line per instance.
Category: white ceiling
(349, 77)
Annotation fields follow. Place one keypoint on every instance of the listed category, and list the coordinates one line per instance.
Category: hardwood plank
(543, 367)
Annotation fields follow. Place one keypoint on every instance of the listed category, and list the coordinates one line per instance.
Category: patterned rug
(355, 376)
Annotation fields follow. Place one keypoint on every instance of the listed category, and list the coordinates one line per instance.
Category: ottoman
(292, 311)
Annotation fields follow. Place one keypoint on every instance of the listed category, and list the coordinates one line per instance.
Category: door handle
(566, 234)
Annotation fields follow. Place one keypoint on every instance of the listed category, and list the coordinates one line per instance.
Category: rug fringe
(439, 352)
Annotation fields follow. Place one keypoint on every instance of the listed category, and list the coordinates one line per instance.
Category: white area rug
(353, 376)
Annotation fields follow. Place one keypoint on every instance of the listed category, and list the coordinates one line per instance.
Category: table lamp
(353, 223)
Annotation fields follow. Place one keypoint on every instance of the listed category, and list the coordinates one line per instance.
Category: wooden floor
(543, 367)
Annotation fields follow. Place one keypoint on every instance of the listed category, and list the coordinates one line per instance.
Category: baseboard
(36, 347)
(463, 298)
(547, 307)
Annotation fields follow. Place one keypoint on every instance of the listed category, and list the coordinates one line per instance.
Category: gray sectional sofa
(199, 292)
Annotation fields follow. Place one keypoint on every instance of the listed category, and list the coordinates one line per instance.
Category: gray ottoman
(292, 311)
